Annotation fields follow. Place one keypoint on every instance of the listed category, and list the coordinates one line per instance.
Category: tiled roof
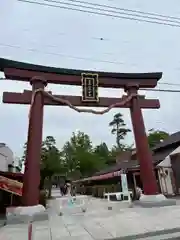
(172, 139)
(160, 152)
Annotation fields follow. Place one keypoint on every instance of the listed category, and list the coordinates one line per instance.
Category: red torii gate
(40, 76)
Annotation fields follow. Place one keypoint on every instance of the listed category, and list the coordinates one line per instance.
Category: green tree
(119, 129)
(70, 162)
(50, 162)
(115, 151)
(81, 141)
(102, 154)
(102, 150)
(79, 157)
(156, 136)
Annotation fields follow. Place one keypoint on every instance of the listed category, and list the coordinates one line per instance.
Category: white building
(166, 157)
(168, 172)
(6, 158)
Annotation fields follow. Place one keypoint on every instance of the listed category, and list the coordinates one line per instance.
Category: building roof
(12, 175)
(134, 164)
(172, 139)
(118, 166)
(6, 63)
(159, 153)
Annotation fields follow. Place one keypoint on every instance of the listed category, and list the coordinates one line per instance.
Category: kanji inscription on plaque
(90, 87)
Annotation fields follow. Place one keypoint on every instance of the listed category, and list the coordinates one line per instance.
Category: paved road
(120, 223)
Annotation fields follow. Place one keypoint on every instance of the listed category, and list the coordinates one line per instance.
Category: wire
(170, 84)
(161, 90)
(126, 9)
(76, 57)
(99, 13)
(167, 17)
(63, 55)
(93, 60)
(111, 11)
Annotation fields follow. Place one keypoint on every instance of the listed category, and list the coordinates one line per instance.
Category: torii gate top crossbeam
(21, 71)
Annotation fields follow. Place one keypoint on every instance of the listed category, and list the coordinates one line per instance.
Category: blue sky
(71, 39)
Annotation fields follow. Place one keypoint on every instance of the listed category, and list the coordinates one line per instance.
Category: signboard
(11, 186)
(124, 183)
(90, 87)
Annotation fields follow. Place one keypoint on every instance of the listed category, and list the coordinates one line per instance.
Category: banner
(11, 186)
(124, 183)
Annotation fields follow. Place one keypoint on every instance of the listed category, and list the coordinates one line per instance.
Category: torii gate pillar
(143, 151)
(30, 196)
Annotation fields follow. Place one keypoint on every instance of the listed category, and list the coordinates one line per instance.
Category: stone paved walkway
(100, 223)
(121, 223)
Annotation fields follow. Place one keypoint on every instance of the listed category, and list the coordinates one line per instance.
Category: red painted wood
(144, 154)
(25, 98)
(106, 82)
(30, 232)
(31, 180)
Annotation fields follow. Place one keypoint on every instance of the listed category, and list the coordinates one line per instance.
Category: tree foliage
(102, 150)
(50, 162)
(79, 157)
(119, 128)
(50, 157)
(156, 136)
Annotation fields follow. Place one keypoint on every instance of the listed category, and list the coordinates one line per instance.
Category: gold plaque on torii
(89, 87)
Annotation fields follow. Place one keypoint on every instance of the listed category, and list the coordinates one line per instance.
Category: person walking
(73, 190)
(138, 192)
